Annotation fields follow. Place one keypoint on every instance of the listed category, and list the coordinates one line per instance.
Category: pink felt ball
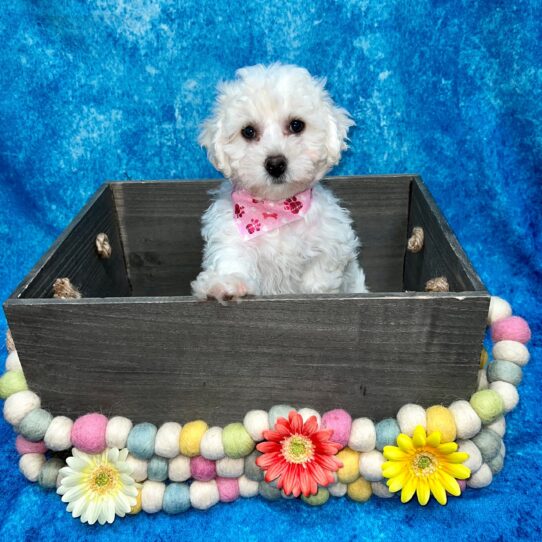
(202, 469)
(228, 489)
(88, 433)
(341, 422)
(24, 446)
(462, 485)
(512, 328)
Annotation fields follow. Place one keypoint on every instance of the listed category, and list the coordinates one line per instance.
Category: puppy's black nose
(276, 165)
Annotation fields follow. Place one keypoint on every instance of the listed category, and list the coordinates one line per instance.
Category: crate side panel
(160, 228)
(441, 254)
(163, 360)
(76, 258)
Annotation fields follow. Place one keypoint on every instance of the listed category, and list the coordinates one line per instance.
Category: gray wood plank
(74, 255)
(160, 359)
(441, 253)
(160, 229)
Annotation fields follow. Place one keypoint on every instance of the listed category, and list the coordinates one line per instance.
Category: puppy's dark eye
(248, 132)
(296, 126)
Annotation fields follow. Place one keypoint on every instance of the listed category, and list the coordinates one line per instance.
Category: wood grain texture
(441, 253)
(176, 359)
(74, 255)
(160, 229)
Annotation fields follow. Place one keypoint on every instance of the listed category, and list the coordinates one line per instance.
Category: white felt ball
(337, 490)
(247, 488)
(508, 392)
(256, 422)
(498, 309)
(306, 413)
(511, 351)
(203, 495)
(152, 496)
(230, 468)
(139, 468)
(30, 465)
(467, 422)
(18, 405)
(370, 465)
(179, 469)
(483, 384)
(381, 490)
(117, 431)
(474, 461)
(211, 446)
(362, 435)
(12, 362)
(166, 443)
(409, 417)
(481, 478)
(58, 436)
(499, 426)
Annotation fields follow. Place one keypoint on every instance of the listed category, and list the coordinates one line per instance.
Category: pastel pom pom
(203, 495)
(152, 496)
(12, 362)
(58, 436)
(307, 413)
(48, 475)
(229, 467)
(381, 490)
(202, 469)
(387, 431)
(139, 468)
(256, 422)
(18, 405)
(12, 382)
(409, 417)
(88, 433)
(166, 443)
(507, 371)
(474, 461)
(498, 310)
(190, 438)
(176, 499)
(269, 492)
(30, 465)
(141, 440)
(211, 446)
(278, 411)
(179, 469)
(252, 471)
(321, 497)
(338, 489)
(340, 422)
(228, 489)
(157, 468)
(488, 404)
(513, 328)
(440, 419)
(508, 393)
(370, 465)
(489, 444)
(362, 435)
(24, 446)
(511, 351)
(360, 490)
(35, 424)
(350, 469)
(247, 488)
(467, 422)
(236, 440)
(499, 426)
(481, 478)
(116, 434)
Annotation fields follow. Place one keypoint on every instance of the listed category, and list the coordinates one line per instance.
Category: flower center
(297, 449)
(424, 464)
(102, 479)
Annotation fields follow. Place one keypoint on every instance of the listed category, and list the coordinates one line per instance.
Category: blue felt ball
(267, 491)
(387, 432)
(176, 499)
(489, 444)
(278, 411)
(505, 371)
(34, 425)
(157, 468)
(140, 441)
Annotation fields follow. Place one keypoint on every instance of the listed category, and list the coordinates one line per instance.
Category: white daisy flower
(98, 487)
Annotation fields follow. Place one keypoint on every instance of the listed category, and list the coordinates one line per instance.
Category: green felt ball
(505, 371)
(488, 404)
(236, 441)
(35, 424)
(252, 471)
(317, 500)
(12, 382)
(49, 473)
(267, 491)
(489, 444)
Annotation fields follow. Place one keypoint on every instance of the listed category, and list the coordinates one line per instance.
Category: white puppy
(274, 133)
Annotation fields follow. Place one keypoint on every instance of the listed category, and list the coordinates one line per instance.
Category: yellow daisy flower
(423, 465)
(98, 487)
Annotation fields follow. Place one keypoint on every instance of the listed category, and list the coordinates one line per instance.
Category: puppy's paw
(232, 286)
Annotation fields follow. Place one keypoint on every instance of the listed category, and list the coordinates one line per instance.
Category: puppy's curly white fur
(274, 133)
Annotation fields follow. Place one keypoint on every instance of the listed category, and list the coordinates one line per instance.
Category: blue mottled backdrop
(98, 89)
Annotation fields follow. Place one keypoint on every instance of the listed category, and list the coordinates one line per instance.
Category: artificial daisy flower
(298, 455)
(423, 465)
(98, 487)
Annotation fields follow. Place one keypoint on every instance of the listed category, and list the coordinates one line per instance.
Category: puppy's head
(275, 130)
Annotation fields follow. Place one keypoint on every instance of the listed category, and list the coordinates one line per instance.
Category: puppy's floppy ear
(339, 121)
(211, 137)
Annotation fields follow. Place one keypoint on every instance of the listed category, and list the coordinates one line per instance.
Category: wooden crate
(137, 344)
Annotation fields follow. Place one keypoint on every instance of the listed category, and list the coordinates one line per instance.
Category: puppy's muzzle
(276, 165)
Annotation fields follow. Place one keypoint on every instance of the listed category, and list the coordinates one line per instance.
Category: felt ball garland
(194, 465)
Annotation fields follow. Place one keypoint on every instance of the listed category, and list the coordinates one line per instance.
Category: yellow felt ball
(350, 469)
(440, 419)
(190, 437)
(137, 506)
(483, 358)
(360, 490)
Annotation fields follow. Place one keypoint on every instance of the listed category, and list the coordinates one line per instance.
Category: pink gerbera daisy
(298, 455)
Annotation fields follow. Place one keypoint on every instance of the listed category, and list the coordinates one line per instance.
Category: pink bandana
(255, 217)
